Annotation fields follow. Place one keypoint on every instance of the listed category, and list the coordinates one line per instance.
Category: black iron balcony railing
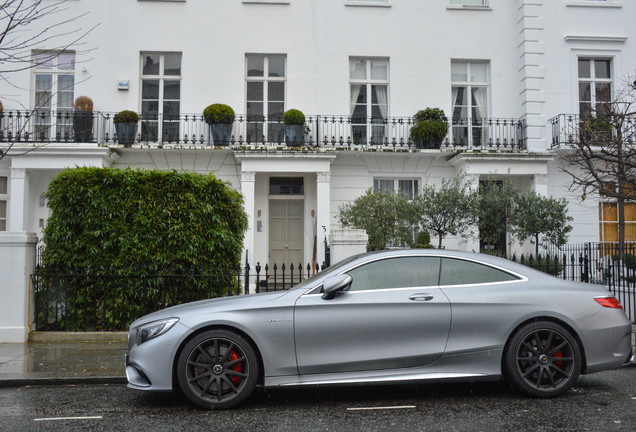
(327, 131)
(566, 130)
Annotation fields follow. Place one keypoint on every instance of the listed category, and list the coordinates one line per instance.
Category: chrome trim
(521, 278)
(409, 377)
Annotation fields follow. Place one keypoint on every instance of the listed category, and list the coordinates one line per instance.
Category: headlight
(154, 329)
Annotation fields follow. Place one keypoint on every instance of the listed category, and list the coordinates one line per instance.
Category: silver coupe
(391, 316)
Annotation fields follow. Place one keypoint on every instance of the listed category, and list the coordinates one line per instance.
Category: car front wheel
(542, 359)
(217, 369)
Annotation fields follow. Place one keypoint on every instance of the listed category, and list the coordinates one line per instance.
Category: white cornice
(597, 39)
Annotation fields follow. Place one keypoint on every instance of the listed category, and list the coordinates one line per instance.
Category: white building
(509, 73)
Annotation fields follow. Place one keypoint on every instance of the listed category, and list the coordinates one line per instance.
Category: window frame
(415, 183)
(469, 85)
(368, 3)
(274, 125)
(162, 78)
(366, 128)
(604, 223)
(592, 81)
(52, 121)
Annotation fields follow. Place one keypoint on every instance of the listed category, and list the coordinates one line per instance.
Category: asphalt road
(600, 402)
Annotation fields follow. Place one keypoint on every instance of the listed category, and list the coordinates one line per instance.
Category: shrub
(597, 124)
(430, 114)
(294, 117)
(83, 103)
(430, 126)
(126, 117)
(422, 240)
(218, 114)
(629, 260)
(132, 224)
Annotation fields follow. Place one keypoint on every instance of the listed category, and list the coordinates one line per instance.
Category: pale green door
(286, 232)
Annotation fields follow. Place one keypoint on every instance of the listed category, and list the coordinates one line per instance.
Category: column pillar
(17, 264)
(17, 200)
(323, 213)
(248, 191)
(472, 244)
(540, 184)
(531, 49)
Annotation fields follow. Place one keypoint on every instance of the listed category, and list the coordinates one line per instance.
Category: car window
(398, 272)
(462, 272)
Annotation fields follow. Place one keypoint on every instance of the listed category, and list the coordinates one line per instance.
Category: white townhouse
(511, 75)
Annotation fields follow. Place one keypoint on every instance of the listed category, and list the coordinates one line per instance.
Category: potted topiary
(126, 127)
(83, 119)
(431, 126)
(220, 117)
(597, 129)
(294, 121)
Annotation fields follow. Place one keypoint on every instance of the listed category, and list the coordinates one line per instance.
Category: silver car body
(436, 332)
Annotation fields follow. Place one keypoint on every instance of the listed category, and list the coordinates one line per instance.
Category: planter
(427, 144)
(294, 135)
(221, 134)
(83, 126)
(126, 133)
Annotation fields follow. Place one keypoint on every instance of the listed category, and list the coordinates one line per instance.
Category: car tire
(217, 369)
(542, 359)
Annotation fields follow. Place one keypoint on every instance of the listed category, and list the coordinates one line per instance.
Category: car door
(393, 315)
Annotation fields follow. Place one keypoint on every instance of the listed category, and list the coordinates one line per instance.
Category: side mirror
(331, 286)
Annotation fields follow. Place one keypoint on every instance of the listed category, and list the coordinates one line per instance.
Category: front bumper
(149, 366)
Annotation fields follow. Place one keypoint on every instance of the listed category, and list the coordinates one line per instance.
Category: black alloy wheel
(217, 369)
(542, 359)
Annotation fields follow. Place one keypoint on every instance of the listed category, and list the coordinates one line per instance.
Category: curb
(27, 382)
(102, 337)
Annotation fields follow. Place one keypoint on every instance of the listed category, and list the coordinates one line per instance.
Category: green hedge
(132, 221)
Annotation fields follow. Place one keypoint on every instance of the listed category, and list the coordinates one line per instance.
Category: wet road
(600, 402)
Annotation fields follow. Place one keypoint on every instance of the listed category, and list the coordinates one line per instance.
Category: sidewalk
(64, 358)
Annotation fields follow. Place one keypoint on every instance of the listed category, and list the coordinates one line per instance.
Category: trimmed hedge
(105, 218)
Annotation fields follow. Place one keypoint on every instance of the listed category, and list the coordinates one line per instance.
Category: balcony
(330, 132)
(566, 129)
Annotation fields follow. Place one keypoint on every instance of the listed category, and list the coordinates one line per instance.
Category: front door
(286, 232)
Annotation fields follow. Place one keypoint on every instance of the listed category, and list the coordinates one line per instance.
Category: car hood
(216, 304)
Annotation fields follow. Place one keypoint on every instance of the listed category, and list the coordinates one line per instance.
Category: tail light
(609, 302)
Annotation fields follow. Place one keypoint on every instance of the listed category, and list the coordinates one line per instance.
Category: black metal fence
(599, 263)
(326, 131)
(100, 299)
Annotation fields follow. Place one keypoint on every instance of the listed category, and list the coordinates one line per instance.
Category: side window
(399, 272)
(461, 272)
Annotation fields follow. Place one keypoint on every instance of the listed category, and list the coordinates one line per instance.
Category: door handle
(421, 297)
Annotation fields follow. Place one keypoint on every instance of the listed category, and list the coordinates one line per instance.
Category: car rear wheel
(217, 369)
(542, 359)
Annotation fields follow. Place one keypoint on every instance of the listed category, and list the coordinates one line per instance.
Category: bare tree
(27, 26)
(602, 159)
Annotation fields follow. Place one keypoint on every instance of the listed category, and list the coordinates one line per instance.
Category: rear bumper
(607, 340)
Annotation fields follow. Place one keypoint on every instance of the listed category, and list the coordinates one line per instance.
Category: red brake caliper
(236, 368)
(558, 355)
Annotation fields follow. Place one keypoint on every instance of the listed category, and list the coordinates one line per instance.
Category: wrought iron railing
(566, 129)
(254, 132)
(107, 299)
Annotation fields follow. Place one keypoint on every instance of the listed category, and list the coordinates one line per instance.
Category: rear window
(461, 272)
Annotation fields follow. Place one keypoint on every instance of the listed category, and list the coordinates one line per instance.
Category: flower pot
(294, 135)
(427, 144)
(126, 133)
(221, 134)
(83, 126)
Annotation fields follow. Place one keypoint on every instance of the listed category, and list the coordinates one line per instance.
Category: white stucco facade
(527, 50)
